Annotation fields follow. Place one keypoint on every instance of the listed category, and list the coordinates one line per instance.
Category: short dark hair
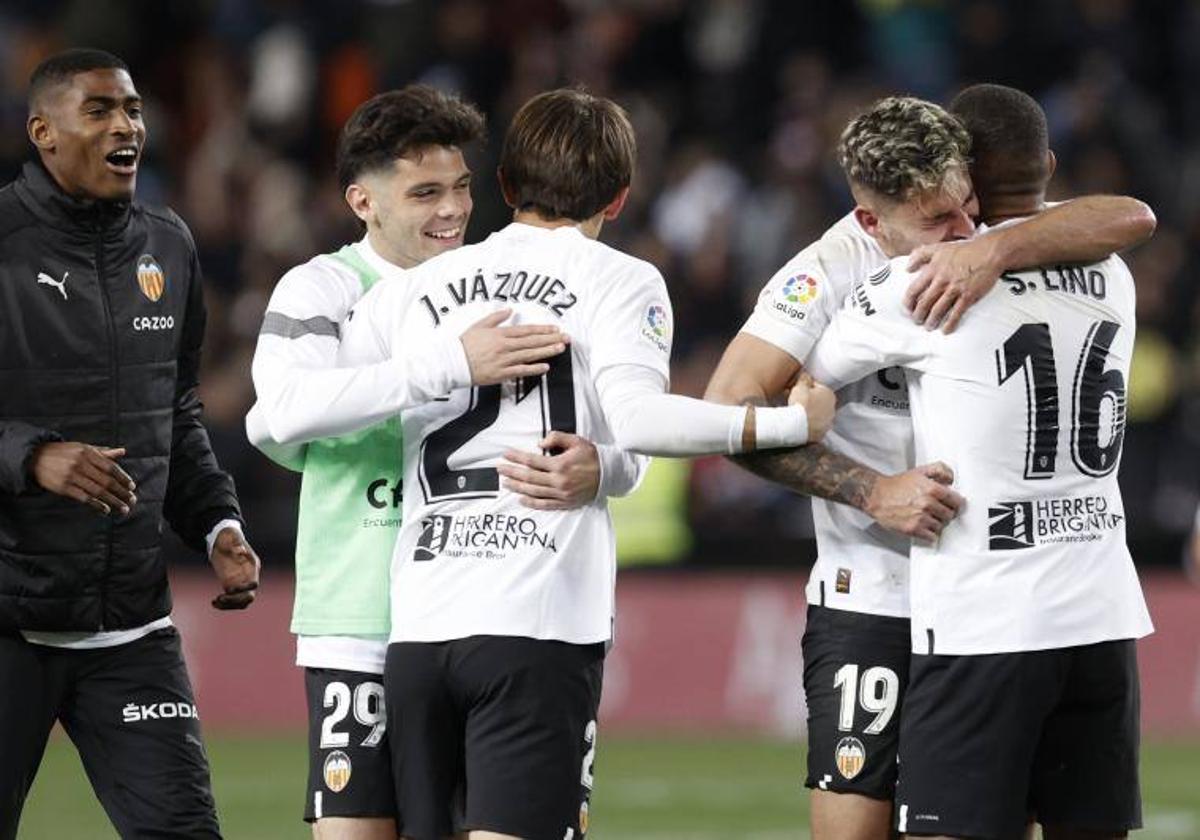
(567, 154)
(1009, 138)
(396, 123)
(902, 147)
(62, 66)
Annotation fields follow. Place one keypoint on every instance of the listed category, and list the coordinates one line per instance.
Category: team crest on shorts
(337, 771)
(850, 755)
(151, 279)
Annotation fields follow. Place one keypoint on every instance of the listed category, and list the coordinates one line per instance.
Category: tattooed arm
(917, 503)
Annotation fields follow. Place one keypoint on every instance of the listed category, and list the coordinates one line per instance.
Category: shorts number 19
(879, 693)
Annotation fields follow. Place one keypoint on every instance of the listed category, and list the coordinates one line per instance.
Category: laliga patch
(842, 584)
(802, 289)
(150, 277)
(656, 327)
(336, 771)
(583, 818)
(850, 755)
(795, 296)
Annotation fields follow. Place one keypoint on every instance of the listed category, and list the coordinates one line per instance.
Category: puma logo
(61, 285)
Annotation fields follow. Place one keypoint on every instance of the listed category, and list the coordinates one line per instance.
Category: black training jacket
(101, 320)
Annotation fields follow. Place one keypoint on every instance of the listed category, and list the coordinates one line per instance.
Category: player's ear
(41, 133)
(614, 207)
(867, 220)
(359, 199)
(505, 190)
(1051, 163)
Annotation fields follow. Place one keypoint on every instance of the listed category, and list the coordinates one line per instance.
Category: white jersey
(1026, 403)
(861, 566)
(470, 559)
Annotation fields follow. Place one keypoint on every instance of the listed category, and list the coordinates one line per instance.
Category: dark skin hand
(88, 474)
(237, 568)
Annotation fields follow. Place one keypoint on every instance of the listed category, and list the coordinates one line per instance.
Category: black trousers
(131, 713)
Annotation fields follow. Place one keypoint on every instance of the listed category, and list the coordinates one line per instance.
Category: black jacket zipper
(114, 390)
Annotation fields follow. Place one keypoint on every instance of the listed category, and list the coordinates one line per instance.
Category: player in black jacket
(101, 321)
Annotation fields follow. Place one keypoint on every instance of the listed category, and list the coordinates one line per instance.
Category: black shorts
(989, 741)
(131, 713)
(855, 675)
(349, 761)
(493, 733)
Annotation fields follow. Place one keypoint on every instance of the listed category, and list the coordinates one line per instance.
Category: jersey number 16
(1095, 392)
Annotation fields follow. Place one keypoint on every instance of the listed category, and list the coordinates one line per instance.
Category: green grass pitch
(650, 788)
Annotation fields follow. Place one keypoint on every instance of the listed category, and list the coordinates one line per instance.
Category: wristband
(778, 427)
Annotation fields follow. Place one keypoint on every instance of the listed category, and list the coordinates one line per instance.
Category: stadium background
(737, 104)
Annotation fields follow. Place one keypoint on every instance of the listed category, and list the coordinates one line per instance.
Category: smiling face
(418, 207)
(89, 133)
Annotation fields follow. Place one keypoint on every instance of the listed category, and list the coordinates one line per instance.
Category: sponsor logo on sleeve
(337, 770)
(1027, 524)
(656, 327)
(879, 276)
(851, 756)
(794, 297)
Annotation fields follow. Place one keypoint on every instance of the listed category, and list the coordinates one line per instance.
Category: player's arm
(18, 443)
(200, 503)
(751, 370)
(380, 375)
(289, 456)
(631, 332)
(299, 333)
(646, 419)
(952, 276)
(303, 395)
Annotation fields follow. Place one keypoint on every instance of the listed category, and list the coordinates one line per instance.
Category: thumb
(493, 319)
(113, 452)
(937, 471)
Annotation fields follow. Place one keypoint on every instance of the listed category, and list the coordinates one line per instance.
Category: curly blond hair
(904, 147)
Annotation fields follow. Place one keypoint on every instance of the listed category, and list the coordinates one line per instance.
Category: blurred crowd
(737, 104)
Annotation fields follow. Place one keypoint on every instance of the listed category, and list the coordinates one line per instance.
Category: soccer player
(1024, 694)
(500, 614)
(101, 323)
(906, 162)
(401, 165)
